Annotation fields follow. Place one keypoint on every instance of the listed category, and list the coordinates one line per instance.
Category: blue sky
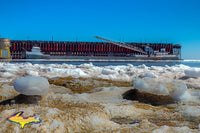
(177, 21)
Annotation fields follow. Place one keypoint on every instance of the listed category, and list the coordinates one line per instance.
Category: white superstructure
(35, 53)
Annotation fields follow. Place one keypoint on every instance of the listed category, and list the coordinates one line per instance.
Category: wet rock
(32, 85)
(148, 98)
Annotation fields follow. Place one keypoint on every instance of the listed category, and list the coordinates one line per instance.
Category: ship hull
(101, 58)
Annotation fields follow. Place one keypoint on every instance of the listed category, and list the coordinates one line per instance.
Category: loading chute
(124, 45)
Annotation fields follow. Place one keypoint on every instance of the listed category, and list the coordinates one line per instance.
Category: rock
(32, 85)
(148, 98)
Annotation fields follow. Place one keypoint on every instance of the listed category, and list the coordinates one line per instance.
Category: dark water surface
(191, 63)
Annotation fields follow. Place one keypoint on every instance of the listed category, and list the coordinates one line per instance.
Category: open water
(191, 63)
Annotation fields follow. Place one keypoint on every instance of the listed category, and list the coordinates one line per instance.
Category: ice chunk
(167, 129)
(32, 85)
(156, 68)
(177, 68)
(192, 72)
(182, 67)
(6, 75)
(54, 125)
(186, 96)
(108, 71)
(148, 74)
(179, 91)
(143, 66)
(85, 65)
(67, 72)
(176, 89)
(29, 72)
(75, 73)
(150, 86)
(191, 113)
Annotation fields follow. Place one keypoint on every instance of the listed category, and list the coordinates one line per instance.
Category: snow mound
(32, 85)
(192, 72)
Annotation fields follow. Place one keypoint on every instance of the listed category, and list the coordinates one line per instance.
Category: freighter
(107, 50)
